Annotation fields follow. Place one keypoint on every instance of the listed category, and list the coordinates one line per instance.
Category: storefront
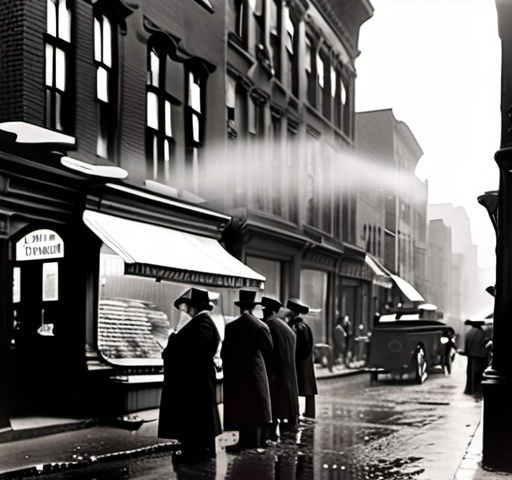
(94, 268)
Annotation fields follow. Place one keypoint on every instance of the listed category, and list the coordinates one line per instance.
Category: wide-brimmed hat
(295, 305)
(246, 298)
(196, 297)
(271, 303)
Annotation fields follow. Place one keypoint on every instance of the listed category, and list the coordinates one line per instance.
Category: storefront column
(5, 320)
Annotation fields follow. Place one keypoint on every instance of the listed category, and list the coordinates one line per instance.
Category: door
(37, 316)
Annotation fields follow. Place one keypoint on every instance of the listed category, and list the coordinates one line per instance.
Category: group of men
(267, 365)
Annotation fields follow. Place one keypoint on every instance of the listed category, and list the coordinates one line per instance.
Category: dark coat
(281, 371)
(247, 342)
(306, 379)
(188, 408)
(478, 358)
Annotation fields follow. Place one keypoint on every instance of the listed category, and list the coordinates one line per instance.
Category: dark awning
(167, 254)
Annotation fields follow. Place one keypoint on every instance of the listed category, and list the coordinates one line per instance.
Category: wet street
(389, 430)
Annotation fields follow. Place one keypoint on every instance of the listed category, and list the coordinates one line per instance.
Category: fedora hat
(271, 304)
(295, 305)
(195, 297)
(246, 298)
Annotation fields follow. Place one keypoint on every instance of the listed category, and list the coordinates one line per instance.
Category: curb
(45, 469)
(348, 373)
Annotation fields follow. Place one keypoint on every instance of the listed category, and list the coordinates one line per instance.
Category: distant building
(391, 207)
(467, 277)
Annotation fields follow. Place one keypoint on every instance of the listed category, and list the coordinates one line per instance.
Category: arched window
(58, 66)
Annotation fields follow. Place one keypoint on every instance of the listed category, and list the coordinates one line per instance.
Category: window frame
(163, 133)
(59, 102)
(106, 110)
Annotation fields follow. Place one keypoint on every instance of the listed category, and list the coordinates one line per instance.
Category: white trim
(28, 133)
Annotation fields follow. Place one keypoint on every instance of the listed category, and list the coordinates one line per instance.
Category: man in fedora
(188, 409)
(281, 371)
(247, 342)
(306, 379)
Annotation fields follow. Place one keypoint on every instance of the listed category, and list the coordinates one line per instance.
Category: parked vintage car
(410, 343)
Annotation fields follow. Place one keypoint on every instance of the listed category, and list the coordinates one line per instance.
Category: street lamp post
(497, 384)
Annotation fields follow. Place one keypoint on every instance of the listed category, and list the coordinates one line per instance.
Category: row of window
(269, 30)
(59, 67)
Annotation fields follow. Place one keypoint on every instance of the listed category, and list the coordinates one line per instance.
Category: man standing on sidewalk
(188, 409)
(281, 371)
(306, 379)
(247, 342)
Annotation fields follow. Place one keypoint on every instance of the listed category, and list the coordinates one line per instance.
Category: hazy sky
(437, 64)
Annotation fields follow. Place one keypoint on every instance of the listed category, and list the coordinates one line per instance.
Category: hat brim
(199, 305)
(247, 304)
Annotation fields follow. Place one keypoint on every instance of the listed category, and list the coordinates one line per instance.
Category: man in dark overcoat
(306, 378)
(477, 349)
(247, 342)
(188, 408)
(281, 370)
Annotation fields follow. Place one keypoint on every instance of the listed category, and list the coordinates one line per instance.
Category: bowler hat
(247, 298)
(271, 304)
(195, 297)
(295, 305)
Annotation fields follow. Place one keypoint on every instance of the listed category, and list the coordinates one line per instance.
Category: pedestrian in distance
(306, 379)
(349, 339)
(281, 371)
(247, 342)
(339, 337)
(188, 408)
(477, 346)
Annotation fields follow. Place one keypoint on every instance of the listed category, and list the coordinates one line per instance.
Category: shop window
(58, 66)
(313, 292)
(136, 314)
(272, 270)
(105, 60)
(160, 105)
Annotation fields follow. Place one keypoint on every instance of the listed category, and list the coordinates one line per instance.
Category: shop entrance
(36, 348)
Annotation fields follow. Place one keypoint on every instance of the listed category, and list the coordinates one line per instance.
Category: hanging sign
(39, 245)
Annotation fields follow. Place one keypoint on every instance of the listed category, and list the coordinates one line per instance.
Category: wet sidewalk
(37, 446)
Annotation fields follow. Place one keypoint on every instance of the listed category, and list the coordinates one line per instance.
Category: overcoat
(478, 355)
(306, 379)
(247, 342)
(188, 408)
(282, 372)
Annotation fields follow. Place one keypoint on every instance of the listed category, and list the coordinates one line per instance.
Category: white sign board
(40, 245)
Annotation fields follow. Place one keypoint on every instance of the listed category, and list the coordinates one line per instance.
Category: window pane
(343, 93)
(308, 56)
(195, 128)
(64, 21)
(194, 99)
(230, 93)
(49, 65)
(51, 18)
(58, 111)
(168, 119)
(167, 151)
(155, 68)
(290, 30)
(320, 70)
(102, 84)
(333, 82)
(107, 42)
(60, 69)
(97, 40)
(152, 110)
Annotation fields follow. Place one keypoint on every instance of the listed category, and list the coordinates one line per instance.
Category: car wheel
(420, 363)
